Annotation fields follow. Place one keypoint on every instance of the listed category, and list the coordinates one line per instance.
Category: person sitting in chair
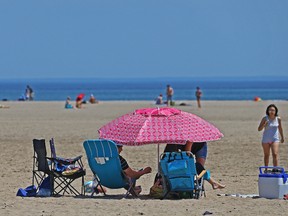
(130, 173)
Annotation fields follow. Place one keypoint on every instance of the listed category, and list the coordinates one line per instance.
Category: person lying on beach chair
(132, 174)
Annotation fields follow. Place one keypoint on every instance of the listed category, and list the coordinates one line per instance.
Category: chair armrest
(66, 161)
(201, 174)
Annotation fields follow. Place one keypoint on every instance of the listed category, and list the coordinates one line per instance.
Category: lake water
(147, 89)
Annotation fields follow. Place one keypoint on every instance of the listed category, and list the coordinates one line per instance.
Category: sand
(233, 161)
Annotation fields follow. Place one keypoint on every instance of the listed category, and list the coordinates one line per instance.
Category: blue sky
(134, 38)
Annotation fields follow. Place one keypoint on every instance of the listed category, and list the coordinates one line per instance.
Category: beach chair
(44, 168)
(65, 172)
(179, 174)
(103, 159)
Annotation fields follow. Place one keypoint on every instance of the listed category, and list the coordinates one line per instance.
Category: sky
(143, 38)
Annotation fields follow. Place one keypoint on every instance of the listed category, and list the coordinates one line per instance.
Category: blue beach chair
(103, 159)
(179, 174)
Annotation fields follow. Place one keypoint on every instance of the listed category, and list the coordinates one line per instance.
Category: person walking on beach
(169, 94)
(198, 94)
(272, 126)
(29, 94)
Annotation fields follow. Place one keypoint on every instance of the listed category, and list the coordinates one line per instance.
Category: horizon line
(252, 78)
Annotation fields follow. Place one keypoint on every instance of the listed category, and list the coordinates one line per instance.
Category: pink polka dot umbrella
(159, 125)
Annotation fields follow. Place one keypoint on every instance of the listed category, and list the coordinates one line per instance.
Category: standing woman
(272, 126)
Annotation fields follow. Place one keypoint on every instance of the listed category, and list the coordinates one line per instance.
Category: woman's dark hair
(272, 105)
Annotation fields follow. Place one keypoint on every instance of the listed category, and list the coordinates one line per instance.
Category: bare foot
(137, 189)
(100, 189)
(218, 186)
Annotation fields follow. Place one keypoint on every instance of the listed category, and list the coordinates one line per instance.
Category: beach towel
(45, 188)
(29, 191)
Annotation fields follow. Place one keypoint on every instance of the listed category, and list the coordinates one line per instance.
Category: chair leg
(65, 185)
(131, 191)
(95, 190)
(82, 187)
(165, 195)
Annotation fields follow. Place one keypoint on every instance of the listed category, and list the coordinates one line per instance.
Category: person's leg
(275, 148)
(201, 155)
(101, 189)
(168, 100)
(201, 160)
(198, 102)
(207, 177)
(215, 185)
(266, 150)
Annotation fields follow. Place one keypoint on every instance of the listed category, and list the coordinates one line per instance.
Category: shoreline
(139, 101)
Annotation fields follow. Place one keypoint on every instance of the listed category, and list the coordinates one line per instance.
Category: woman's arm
(262, 124)
(280, 130)
(188, 146)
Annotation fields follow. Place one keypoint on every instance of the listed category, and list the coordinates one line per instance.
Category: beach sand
(233, 161)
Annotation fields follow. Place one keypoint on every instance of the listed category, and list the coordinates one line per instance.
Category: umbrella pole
(158, 157)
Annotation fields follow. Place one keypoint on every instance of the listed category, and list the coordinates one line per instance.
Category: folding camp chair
(179, 174)
(66, 171)
(45, 167)
(103, 159)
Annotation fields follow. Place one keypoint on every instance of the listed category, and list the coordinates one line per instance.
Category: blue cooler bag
(176, 168)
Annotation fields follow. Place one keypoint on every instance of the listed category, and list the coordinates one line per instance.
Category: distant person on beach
(3, 106)
(199, 164)
(68, 104)
(272, 126)
(198, 94)
(159, 99)
(130, 173)
(92, 99)
(79, 102)
(169, 94)
(29, 93)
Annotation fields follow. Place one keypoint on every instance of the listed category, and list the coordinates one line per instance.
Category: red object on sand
(159, 125)
(80, 96)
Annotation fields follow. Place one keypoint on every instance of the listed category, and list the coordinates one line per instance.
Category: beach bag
(177, 167)
(29, 191)
(178, 172)
(45, 188)
(156, 191)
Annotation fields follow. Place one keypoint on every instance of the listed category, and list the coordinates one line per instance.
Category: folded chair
(65, 172)
(103, 159)
(179, 174)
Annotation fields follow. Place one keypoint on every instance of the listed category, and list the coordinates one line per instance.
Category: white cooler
(272, 185)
